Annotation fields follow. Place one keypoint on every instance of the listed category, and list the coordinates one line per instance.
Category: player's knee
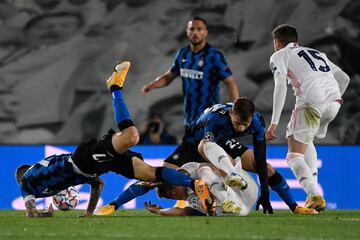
(201, 146)
(270, 170)
(132, 136)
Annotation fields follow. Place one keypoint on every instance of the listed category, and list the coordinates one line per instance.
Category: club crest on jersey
(209, 135)
(201, 62)
(273, 68)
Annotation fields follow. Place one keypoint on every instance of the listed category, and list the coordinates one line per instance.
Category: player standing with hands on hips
(318, 85)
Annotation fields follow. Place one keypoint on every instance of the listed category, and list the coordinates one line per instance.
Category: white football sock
(215, 183)
(303, 173)
(218, 157)
(311, 160)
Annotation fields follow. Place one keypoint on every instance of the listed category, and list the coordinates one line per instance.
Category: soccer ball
(67, 199)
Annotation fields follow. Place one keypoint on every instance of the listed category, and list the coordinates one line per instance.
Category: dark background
(55, 56)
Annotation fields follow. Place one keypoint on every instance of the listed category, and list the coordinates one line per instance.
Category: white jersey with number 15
(310, 73)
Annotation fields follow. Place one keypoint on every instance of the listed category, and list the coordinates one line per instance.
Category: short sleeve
(222, 66)
(175, 67)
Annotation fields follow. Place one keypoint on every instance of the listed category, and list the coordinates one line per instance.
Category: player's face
(178, 193)
(196, 32)
(239, 124)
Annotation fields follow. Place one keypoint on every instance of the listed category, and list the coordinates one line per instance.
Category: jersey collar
(292, 44)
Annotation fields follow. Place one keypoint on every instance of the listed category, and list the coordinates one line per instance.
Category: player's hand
(152, 207)
(264, 201)
(147, 88)
(270, 133)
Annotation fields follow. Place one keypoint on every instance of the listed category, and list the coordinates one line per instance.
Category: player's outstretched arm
(187, 211)
(96, 186)
(160, 82)
(33, 213)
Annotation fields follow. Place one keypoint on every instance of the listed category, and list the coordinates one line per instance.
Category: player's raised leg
(128, 135)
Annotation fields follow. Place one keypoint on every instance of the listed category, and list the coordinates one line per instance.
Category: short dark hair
(163, 190)
(198, 19)
(19, 173)
(286, 33)
(244, 107)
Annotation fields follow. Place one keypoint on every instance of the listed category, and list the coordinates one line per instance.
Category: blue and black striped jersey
(201, 74)
(215, 124)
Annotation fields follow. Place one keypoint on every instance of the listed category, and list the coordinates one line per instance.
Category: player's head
(196, 30)
(241, 113)
(19, 173)
(283, 35)
(165, 190)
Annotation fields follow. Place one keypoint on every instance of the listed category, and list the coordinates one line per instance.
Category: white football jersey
(245, 199)
(309, 72)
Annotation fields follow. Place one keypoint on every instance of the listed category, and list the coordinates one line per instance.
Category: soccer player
(212, 138)
(201, 68)
(318, 85)
(227, 200)
(96, 157)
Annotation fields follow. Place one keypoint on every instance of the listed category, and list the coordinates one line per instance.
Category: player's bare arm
(96, 187)
(187, 211)
(160, 82)
(31, 211)
(230, 83)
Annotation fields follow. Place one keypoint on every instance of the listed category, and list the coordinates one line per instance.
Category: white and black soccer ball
(67, 199)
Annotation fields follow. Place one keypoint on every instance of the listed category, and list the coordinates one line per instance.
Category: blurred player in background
(96, 157)
(201, 68)
(318, 85)
(227, 200)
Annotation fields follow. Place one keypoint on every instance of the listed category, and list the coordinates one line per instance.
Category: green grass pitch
(139, 224)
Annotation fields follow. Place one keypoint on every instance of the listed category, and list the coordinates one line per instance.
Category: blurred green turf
(139, 224)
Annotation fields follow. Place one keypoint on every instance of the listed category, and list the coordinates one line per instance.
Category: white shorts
(308, 121)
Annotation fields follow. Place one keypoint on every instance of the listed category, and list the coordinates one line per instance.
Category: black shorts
(98, 156)
(233, 147)
(188, 152)
(184, 153)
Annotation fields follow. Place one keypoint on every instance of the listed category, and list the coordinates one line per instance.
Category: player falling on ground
(318, 85)
(96, 157)
(212, 138)
(228, 201)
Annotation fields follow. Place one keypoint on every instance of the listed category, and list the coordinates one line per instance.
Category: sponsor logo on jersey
(189, 73)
